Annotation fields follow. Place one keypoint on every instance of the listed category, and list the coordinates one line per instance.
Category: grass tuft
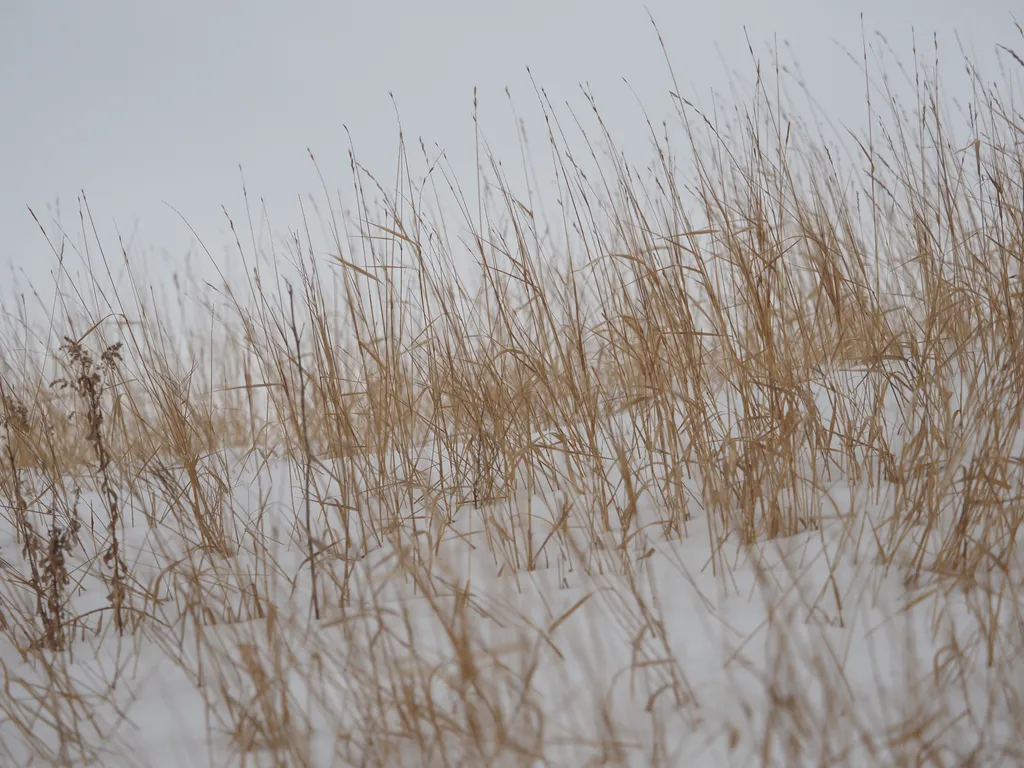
(709, 462)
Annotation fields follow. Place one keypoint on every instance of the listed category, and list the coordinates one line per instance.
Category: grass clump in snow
(721, 465)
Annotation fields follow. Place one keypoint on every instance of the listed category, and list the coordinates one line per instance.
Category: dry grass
(296, 508)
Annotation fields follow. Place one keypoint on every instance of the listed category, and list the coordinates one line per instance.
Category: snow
(635, 649)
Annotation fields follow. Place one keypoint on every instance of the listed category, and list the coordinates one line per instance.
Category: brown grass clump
(436, 499)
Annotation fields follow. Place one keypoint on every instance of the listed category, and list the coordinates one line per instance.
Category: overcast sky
(147, 105)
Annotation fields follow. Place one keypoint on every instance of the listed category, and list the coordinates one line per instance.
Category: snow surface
(784, 653)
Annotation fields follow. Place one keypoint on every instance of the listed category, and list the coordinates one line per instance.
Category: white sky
(144, 104)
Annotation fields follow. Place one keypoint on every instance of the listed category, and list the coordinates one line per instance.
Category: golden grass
(571, 404)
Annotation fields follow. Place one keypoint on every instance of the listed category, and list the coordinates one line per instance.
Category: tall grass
(713, 348)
